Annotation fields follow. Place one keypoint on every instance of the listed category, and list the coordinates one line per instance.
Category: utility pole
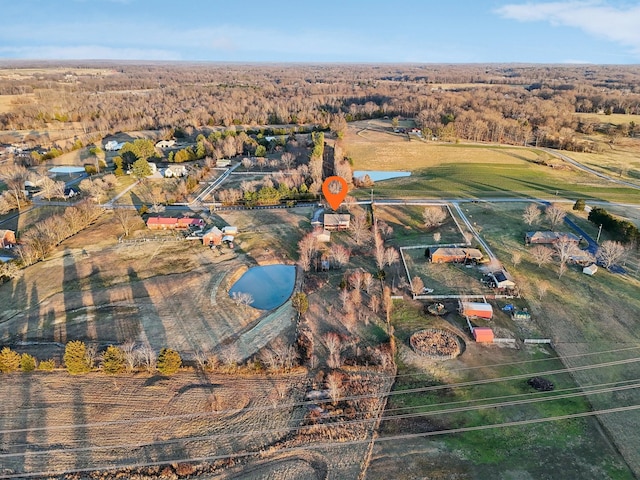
(372, 197)
(598, 237)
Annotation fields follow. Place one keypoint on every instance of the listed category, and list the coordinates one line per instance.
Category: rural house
(174, 171)
(590, 269)
(548, 238)
(453, 255)
(336, 221)
(7, 238)
(212, 236)
(165, 143)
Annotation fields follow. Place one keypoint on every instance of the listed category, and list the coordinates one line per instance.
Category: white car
(427, 290)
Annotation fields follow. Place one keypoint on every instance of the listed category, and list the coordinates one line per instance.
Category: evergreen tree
(27, 363)
(169, 361)
(9, 360)
(75, 358)
(113, 360)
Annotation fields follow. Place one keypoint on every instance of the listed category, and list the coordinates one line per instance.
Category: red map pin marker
(329, 189)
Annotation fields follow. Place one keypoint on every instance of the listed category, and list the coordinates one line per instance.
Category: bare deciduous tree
(555, 215)
(531, 214)
(561, 269)
(334, 386)
(417, 285)
(334, 345)
(355, 279)
(391, 256)
(542, 287)
(345, 299)
(148, 358)
(610, 253)
(436, 237)
(433, 216)
(359, 228)
(307, 248)
(367, 281)
(379, 252)
(565, 248)
(14, 177)
(374, 303)
(339, 254)
(541, 254)
(51, 189)
(516, 258)
(242, 298)
(287, 160)
(127, 219)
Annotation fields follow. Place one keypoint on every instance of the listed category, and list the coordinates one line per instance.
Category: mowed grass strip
(442, 171)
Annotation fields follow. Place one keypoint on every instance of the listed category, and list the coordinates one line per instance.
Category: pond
(67, 170)
(378, 175)
(270, 285)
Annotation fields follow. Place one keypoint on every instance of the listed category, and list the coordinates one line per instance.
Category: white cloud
(599, 18)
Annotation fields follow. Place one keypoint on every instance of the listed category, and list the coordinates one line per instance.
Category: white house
(590, 270)
(113, 146)
(154, 167)
(175, 171)
(165, 143)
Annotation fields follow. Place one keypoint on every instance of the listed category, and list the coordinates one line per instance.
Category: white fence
(537, 341)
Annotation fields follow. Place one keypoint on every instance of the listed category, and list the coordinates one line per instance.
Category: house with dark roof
(336, 221)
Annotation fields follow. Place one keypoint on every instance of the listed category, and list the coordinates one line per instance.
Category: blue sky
(574, 31)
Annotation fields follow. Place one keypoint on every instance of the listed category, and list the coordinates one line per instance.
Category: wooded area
(496, 103)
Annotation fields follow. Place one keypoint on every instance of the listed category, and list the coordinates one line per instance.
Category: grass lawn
(408, 226)
(572, 448)
(472, 171)
(614, 118)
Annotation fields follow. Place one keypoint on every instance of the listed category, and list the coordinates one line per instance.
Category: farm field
(599, 314)
(470, 171)
(618, 162)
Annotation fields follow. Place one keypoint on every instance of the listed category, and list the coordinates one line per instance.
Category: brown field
(9, 102)
(619, 161)
(614, 118)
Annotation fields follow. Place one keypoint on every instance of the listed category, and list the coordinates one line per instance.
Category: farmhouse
(548, 238)
(172, 223)
(7, 238)
(336, 221)
(212, 237)
(453, 255)
(476, 309)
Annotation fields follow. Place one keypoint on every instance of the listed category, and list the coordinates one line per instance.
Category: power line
(313, 402)
(329, 445)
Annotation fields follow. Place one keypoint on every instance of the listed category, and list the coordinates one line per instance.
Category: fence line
(537, 340)
(504, 340)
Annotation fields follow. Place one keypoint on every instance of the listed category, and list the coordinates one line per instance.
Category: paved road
(584, 168)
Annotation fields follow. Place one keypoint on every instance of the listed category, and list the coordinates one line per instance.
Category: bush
(75, 358)
(27, 363)
(113, 360)
(9, 360)
(47, 365)
(169, 361)
(579, 205)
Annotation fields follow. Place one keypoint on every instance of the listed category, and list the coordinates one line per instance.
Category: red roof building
(483, 335)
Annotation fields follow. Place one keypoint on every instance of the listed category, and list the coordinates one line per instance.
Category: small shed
(483, 335)
(501, 281)
(228, 230)
(476, 309)
(591, 269)
(322, 236)
(212, 237)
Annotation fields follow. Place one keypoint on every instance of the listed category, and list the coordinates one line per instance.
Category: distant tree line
(522, 103)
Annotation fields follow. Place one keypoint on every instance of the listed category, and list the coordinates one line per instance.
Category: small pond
(378, 175)
(270, 285)
(67, 170)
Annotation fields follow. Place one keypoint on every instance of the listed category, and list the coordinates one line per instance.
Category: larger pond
(378, 175)
(269, 286)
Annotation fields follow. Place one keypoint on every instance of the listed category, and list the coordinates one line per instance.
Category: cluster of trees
(521, 104)
(97, 186)
(608, 254)
(621, 230)
(39, 240)
(80, 358)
